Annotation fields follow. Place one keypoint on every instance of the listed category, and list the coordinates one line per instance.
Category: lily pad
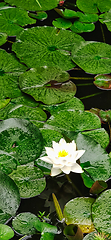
(95, 160)
(9, 195)
(3, 103)
(39, 15)
(13, 19)
(92, 6)
(72, 104)
(78, 211)
(47, 85)
(6, 232)
(106, 19)
(93, 57)
(3, 38)
(101, 213)
(62, 23)
(10, 69)
(34, 5)
(105, 115)
(21, 139)
(23, 223)
(46, 46)
(103, 81)
(7, 162)
(4, 217)
(82, 27)
(47, 230)
(30, 180)
(28, 113)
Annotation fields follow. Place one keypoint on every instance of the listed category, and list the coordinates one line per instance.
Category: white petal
(79, 154)
(62, 141)
(66, 169)
(76, 168)
(55, 171)
(46, 159)
(57, 166)
(50, 152)
(55, 146)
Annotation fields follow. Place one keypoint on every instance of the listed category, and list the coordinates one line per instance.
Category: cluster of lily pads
(38, 106)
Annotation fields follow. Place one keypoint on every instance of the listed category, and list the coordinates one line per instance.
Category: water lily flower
(63, 156)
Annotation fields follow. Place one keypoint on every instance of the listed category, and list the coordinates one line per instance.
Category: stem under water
(73, 185)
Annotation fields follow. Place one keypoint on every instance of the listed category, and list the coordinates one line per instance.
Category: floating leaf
(6, 232)
(99, 135)
(9, 195)
(13, 19)
(29, 113)
(34, 5)
(78, 211)
(82, 27)
(105, 115)
(10, 69)
(23, 223)
(3, 38)
(21, 139)
(40, 15)
(44, 227)
(106, 18)
(72, 104)
(95, 159)
(62, 23)
(51, 47)
(93, 57)
(30, 180)
(75, 121)
(92, 6)
(7, 162)
(45, 84)
(101, 212)
(103, 81)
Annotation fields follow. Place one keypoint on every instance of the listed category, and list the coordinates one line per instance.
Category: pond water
(91, 97)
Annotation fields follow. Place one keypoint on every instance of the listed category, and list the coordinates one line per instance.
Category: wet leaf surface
(103, 81)
(93, 6)
(6, 232)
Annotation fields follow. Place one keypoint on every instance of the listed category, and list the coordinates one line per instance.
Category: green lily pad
(105, 115)
(46, 46)
(13, 19)
(47, 85)
(47, 230)
(101, 213)
(3, 103)
(6, 232)
(95, 160)
(4, 217)
(3, 38)
(9, 195)
(92, 6)
(93, 57)
(106, 19)
(10, 69)
(34, 5)
(78, 211)
(99, 135)
(30, 180)
(72, 104)
(75, 121)
(82, 27)
(103, 81)
(28, 113)
(83, 17)
(21, 139)
(7, 162)
(23, 223)
(62, 23)
(39, 15)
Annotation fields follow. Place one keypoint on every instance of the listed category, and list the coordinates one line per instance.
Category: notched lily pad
(62, 23)
(106, 19)
(78, 211)
(103, 81)
(51, 47)
(13, 19)
(93, 57)
(82, 27)
(47, 85)
(21, 139)
(92, 6)
(3, 38)
(7, 162)
(34, 5)
(6, 232)
(39, 15)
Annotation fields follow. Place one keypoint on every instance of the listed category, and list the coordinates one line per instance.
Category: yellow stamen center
(62, 153)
